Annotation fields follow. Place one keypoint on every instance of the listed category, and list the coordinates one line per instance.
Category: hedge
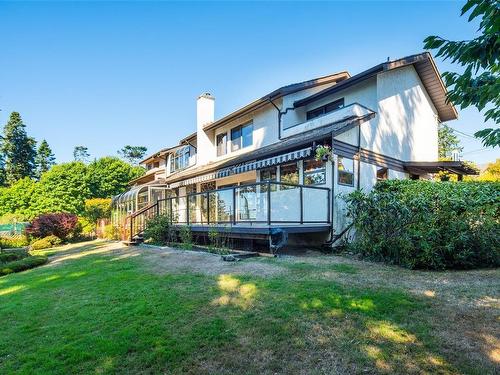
(23, 264)
(428, 224)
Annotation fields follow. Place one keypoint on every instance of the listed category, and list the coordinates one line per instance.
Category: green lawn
(101, 308)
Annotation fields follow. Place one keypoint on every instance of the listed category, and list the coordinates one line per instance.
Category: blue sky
(105, 75)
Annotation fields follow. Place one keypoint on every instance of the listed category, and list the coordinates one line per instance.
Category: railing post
(131, 228)
(268, 202)
(234, 205)
(208, 208)
(187, 209)
(329, 206)
(301, 206)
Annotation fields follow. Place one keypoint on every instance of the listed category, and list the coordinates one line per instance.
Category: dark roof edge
(276, 94)
(386, 66)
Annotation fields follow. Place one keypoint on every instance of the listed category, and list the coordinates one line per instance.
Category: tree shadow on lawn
(320, 327)
(127, 320)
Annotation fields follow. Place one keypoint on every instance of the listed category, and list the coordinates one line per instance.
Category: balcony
(251, 208)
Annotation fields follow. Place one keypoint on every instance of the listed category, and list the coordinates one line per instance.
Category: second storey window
(345, 170)
(221, 144)
(241, 137)
(323, 110)
(180, 159)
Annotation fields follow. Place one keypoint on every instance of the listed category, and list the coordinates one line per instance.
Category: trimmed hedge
(12, 256)
(427, 224)
(23, 264)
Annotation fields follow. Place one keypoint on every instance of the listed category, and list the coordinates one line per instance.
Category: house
(253, 173)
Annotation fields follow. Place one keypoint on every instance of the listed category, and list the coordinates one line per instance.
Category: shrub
(62, 225)
(13, 242)
(45, 243)
(186, 237)
(429, 225)
(111, 232)
(12, 256)
(23, 264)
(159, 230)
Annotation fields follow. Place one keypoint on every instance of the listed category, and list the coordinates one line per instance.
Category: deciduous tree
(479, 84)
(109, 176)
(447, 142)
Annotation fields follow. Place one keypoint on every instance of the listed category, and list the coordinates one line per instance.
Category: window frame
(237, 141)
(320, 170)
(180, 159)
(270, 169)
(324, 109)
(339, 172)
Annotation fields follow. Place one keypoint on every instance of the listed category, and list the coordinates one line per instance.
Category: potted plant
(324, 153)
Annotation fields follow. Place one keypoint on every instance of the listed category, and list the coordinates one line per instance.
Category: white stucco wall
(407, 120)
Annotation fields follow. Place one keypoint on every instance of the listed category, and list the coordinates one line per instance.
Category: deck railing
(260, 203)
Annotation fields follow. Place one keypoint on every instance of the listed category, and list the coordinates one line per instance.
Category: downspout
(280, 113)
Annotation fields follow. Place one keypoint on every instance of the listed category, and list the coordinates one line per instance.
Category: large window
(180, 159)
(241, 137)
(323, 110)
(289, 173)
(314, 172)
(345, 170)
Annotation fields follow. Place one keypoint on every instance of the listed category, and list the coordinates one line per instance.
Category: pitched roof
(426, 69)
(287, 144)
(278, 93)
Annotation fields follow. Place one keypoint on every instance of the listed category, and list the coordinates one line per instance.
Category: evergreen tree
(18, 150)
(44, 158)
(132, 154)
(447, 142)
(81, 153)
(2, 167)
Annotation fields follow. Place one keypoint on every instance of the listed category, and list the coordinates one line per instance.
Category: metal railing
(260, 203)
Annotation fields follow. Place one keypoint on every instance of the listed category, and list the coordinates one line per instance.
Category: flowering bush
(62, 225)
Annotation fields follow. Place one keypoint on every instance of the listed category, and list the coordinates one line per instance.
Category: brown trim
(367, 156)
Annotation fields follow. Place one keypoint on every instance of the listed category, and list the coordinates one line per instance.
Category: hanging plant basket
(324, 153)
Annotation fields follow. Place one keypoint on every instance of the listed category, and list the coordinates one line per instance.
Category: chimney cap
(206, 95)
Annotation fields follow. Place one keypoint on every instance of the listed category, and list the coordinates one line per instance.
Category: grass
(97, 311)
